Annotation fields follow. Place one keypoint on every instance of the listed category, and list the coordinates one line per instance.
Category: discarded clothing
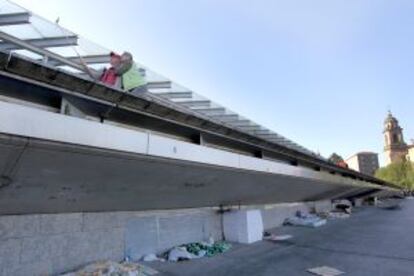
(325, 271)
(211, 250)
(152, 257)
(390, 204)
(345, 208)
(308, 220)
(278, 237)
(338, 215)
(197, 250)
(181, 254)
(343, 205)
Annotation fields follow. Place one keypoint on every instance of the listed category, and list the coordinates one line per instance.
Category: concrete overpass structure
(70, 145)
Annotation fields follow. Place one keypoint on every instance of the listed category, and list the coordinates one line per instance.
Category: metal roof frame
(43, 52)
(58, 41)
(177, 94)
(188, 100)
(89, 59)
(195, 103)
(14, 18)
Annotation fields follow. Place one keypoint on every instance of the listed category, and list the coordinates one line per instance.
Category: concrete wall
(56, 243)
(51, 244)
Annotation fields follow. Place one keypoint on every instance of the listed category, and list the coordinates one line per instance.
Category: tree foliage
(335, 158)
(400, 173)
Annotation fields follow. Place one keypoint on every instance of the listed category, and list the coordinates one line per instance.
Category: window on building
(394, 138)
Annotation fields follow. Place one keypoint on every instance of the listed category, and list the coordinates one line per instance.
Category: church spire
(395, 148)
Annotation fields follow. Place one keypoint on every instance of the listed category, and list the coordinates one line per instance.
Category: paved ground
(372, 242)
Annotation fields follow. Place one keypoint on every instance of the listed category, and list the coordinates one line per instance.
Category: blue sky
(322, 73)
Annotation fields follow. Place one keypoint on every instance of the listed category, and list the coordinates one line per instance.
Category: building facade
(395, 148)
(364, 162)
(410, 154)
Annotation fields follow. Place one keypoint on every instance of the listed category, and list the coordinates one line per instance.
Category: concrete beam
(14, 18)
(43, 75)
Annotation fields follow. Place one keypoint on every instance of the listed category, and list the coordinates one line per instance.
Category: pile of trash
(342, 209)
(197, 250)
(191, 251)
(209, 249)
(111, 268)
(391, 203)
(275, 238)
(344, 206)
(307, 220)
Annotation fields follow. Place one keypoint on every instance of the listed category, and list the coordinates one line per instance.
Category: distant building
(410, 154)
(342, 164)
(364, 162)
(395, 149)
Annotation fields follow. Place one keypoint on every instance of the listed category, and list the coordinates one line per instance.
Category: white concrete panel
(171, 148)
(243, 226)
(256, 164)
(31, 122)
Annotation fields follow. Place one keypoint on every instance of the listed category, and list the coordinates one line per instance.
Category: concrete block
(243, 226)
(141, 237)
(18, 226)
(60, 223)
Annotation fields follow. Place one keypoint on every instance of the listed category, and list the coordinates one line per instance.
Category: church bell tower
(395, 148)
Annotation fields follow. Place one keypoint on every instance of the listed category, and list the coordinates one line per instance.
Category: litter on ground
(308, 220)
(278, 237)
(343, 205)
(181, 254)
(110, 268)
(209, 249)
(196, 250)
(338, 215)
(325, 271)
(390, 204)
(152, 257)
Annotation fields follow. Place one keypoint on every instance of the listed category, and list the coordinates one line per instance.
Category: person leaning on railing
(106, 75)
(131, 78)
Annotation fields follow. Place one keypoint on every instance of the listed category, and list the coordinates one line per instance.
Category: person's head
(115, 59)
(126, 56)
